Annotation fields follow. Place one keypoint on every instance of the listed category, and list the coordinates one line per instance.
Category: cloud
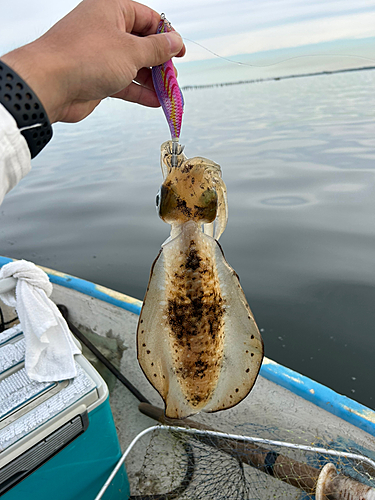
(225, 27)
(209, 18)
(289, 35)
(23, 21)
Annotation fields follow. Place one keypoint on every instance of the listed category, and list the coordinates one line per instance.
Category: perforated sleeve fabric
(15, 158)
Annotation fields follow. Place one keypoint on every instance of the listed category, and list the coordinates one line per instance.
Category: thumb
(153, 50)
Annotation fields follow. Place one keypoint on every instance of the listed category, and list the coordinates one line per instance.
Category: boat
(93, 425)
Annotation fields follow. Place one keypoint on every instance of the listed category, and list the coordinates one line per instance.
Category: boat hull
(281, 399)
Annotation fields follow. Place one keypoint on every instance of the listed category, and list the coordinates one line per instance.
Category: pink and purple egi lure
(167, 89)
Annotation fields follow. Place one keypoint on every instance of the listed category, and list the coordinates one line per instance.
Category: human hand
(99, 49)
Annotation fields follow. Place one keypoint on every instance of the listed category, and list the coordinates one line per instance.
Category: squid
(197, 341)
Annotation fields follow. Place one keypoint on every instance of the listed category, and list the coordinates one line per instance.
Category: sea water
(298, 159)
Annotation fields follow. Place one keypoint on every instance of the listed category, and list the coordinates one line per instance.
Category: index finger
(145, 22)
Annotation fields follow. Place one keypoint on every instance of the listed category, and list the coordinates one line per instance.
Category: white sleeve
(15, 158)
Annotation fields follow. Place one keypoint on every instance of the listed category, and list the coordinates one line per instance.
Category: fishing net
(210, 467)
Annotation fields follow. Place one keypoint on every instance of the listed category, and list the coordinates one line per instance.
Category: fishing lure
(169, 94)
(197, 341)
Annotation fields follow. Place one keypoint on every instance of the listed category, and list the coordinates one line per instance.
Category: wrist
(40, 71)
(21, 102)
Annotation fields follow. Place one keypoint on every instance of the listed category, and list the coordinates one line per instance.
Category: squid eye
(158, 200)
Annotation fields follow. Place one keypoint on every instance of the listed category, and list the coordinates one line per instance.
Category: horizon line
(277, 78)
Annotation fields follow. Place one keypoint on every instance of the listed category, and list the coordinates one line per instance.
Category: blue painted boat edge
(318, 394)
(88, 288)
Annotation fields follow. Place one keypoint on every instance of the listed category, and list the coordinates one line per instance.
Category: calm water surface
(298, 158)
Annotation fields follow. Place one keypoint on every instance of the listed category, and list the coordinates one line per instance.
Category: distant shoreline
(275, 78)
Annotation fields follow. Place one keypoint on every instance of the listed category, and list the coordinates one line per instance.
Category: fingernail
(175, 42)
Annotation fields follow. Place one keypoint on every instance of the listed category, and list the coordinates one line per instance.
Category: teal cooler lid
(56, 439)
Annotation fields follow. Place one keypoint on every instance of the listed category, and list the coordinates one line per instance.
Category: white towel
(50, 347)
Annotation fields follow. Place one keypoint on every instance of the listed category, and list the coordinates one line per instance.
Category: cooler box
(57, 440)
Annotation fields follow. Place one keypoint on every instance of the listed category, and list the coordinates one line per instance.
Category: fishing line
(278, 62)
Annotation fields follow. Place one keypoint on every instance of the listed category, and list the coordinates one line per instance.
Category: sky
(274, 28)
